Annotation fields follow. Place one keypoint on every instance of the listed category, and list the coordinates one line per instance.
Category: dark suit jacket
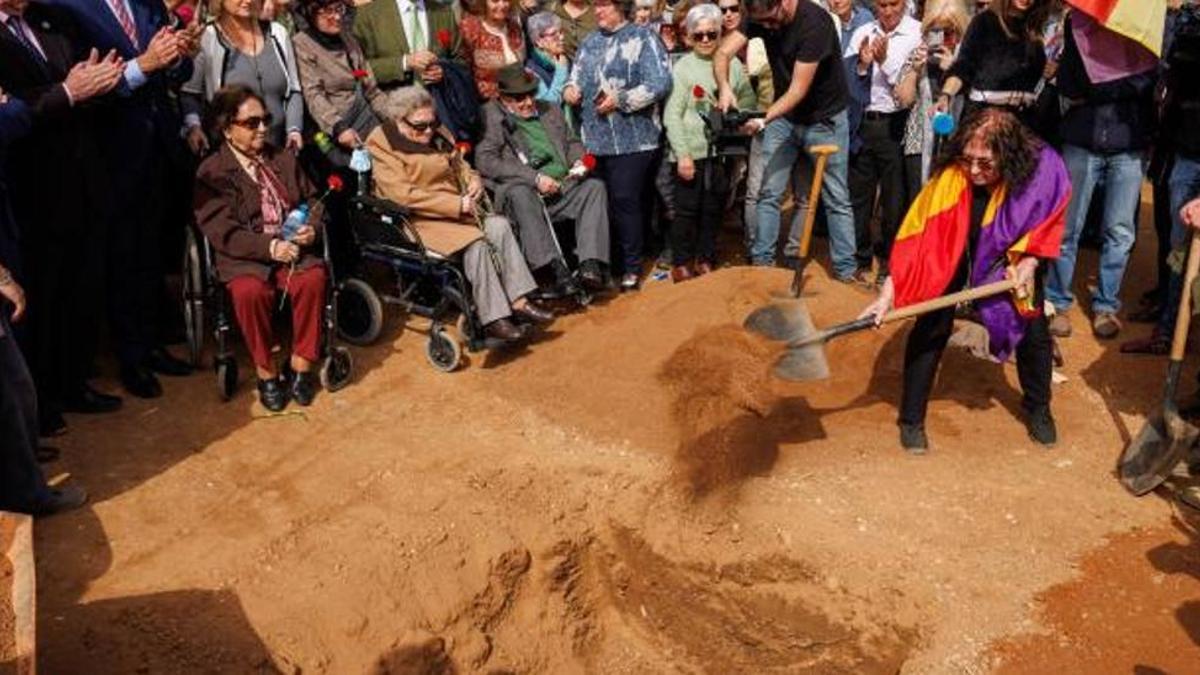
(52, 172)
(227, 206)
(15, 122)
(500, 155)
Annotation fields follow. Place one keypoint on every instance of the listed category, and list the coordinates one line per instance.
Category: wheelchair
(419, 280)
(207, 307)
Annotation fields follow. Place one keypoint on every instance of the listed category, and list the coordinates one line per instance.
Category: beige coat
(425, 179)
(330, 87)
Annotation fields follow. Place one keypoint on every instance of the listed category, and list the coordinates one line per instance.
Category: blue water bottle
(943, 124)
(295, 220)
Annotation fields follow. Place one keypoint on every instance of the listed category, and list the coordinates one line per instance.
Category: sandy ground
(631, 494)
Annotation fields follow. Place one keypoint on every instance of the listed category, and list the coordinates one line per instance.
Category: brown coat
(424, 179)
(228, 211)
(330, 87)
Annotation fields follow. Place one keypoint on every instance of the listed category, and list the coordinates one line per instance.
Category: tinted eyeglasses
(254, 122)
(705, 36)
(731, 9)
(422, 127)
(333, 9)
(517, 98)
(984, 163)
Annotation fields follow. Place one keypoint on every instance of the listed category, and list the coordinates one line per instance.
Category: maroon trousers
(254, 301)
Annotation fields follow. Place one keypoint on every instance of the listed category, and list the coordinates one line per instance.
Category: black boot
(1041, 428)
(913, 439)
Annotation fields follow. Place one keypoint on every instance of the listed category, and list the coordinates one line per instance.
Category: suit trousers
(878, 167)
(254, 302)
(497, 271)
(22, 485)
(927, 341)
(583, 202)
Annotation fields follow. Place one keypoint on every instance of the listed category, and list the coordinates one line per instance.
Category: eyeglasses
(705, 36)
(731, 9)
(254, 122)
(984, 163)
(422, 127)
(517, 98)
(333, 9)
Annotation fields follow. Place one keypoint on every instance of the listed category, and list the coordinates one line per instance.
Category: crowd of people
(124, 122)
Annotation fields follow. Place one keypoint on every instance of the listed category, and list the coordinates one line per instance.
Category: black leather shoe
(62, 499)
(1041, 428)
(534, 313)
(51, 424)
(503, 329)
(273, 394)
(46, 454)
(304, 388)
(140, 381)
(90, 401)
(160, 361)
(591, 275)
(913, 439)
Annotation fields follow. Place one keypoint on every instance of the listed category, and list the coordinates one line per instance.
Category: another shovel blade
(1155, 451)
(782, 321)
(803, 364)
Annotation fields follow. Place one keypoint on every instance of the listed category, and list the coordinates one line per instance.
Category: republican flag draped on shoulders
(1118, 38)
(933, 240)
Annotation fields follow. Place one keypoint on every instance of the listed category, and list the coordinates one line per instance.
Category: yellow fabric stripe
(940, 195)
(1140, 20)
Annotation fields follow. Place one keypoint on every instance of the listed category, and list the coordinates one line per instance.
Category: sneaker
(1106, 325)
(1041, 428)
(1060, 325)
(629, 281)
(913, 439)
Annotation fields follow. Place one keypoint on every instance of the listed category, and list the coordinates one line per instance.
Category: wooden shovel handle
(1184, 317)
(822, 153)
(908, 311)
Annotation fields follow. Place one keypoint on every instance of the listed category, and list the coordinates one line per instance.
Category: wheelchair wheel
(337, 369)
(193, 297)
(227, 376)
(359, 312)
(443, 351)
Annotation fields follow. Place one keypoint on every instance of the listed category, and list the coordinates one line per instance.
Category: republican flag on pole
(1142, 21)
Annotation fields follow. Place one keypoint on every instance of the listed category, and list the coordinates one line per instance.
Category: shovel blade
(1155, 451)
(782, 321)
(803, 364)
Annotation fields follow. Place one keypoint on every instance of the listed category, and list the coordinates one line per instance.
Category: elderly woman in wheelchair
(245, 193)
(416, 164)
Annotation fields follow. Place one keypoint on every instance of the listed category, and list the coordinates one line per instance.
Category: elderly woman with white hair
(547, 56)
(416, 164)
(701, 181)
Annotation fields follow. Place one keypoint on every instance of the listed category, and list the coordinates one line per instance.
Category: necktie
(17, 26)
(126, 20)
(417, 29)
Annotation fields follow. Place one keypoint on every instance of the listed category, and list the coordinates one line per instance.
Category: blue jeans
(783, 144)
(1184, 186)
(1121, 174)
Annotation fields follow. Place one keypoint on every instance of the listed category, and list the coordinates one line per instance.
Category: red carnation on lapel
(699, 92)
(360, 74)
(443, 38)
(589, 161)
(335, 183)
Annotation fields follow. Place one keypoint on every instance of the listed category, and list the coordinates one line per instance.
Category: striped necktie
(17, 26)
(126, 20)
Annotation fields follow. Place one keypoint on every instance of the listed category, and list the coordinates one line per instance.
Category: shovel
(1165, 438)
(821, 153)
(805, 356)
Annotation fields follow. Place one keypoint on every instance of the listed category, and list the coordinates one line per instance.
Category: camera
(723, 130)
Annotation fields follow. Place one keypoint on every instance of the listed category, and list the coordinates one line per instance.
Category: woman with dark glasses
(244, 193)
(701, 181)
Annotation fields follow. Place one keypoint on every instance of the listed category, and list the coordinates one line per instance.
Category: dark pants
(878, 166)
(699, 207)
(22, 486)
(928, 340)
(626, 177)
(254, 302)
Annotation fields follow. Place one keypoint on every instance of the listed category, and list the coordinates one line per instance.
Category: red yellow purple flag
(1142, 21)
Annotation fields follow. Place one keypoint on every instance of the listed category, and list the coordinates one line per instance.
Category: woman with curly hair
(995, 207)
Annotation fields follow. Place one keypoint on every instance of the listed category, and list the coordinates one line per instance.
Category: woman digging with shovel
(993, 208)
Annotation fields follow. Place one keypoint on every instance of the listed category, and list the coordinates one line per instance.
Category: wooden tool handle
(994, 288)
(1184, 317)
(822, 153)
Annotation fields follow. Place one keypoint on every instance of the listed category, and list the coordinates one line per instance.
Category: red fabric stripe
(923, 265)
(1100, 10)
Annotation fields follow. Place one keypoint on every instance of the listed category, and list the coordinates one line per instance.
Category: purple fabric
(1033, 207)
(1108, 55)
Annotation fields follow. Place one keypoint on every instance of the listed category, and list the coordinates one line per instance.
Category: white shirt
(905, 38)
(407, 7)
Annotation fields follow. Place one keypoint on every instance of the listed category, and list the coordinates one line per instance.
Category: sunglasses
(734, 9)
(254, 122)
(422, 127)
(705, 36)
(984, 163)
(516, 98)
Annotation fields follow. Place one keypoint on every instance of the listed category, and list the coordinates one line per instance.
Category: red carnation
(443, 38)
(464, 147)
(335, 183)
(699, 92)
(360, 74)
(589, 161)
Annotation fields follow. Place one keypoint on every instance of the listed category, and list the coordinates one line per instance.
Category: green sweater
(681, 116)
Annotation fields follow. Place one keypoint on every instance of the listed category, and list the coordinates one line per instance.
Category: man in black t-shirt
(804, 49)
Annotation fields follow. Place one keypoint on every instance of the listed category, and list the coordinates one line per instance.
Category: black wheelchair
(418, 280)
(206, 306)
